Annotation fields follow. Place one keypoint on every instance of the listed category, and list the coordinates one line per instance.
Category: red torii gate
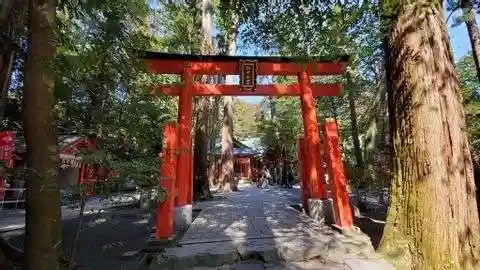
(180, 168)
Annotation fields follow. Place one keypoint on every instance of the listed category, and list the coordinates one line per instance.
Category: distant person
(259, 178)
(287, 179)
(290, 179)
(284, 181)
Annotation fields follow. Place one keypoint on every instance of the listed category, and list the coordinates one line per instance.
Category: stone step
(274, 250)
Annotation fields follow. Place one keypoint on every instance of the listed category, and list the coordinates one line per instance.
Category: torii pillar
(312, 164)
(164, 218)
(341, 206)
(183, 200)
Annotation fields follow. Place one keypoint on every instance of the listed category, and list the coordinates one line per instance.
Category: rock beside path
(353, 264)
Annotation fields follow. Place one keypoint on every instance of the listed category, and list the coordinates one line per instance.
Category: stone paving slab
(259, 223)
(252, 213)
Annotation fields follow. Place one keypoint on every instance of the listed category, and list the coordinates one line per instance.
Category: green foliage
(281, 133)
(471, 100)
(102, 88)
(245, 120)
(307, 29)
(177, 27)
(289, 124)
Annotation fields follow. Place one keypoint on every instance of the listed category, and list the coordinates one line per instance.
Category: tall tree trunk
(354, 129)
(376, 151)
(276, 173)
(474, 36)
(43, 222)
(211, 143)
(201, 184)
(212, 135)
(431, 153)
(472, 29)
(227, 176)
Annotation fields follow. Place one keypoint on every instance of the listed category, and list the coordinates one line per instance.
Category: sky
(459, 38)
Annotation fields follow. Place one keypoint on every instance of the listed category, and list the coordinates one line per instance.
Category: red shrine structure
(246, 161)
(317, 153)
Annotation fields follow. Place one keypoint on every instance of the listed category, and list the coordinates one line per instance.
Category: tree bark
(276, 174)
(227, 176)
(212, 134)
(211, 158)
(431, 153)
(201, 184)
(472, 29)
(43, 222)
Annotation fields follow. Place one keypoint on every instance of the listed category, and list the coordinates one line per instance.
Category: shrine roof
(149, 55)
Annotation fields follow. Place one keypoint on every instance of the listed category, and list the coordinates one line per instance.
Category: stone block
(154, 244)
(314, 265)
(293, 250)
(271, 266)
(362, 264)
(255, 248)
(182, 217)
(249, 265)
(188, 256)
(224, 267)
(321, 210)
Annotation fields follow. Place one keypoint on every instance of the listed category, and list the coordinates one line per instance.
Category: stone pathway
(258, 229)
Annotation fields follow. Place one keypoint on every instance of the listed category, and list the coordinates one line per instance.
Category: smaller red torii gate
(177, 135)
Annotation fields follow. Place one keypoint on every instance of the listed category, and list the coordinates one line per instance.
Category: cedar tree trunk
(201, 184)
(472, 30)
(227, 175)
(43, 219)
(432, 220)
